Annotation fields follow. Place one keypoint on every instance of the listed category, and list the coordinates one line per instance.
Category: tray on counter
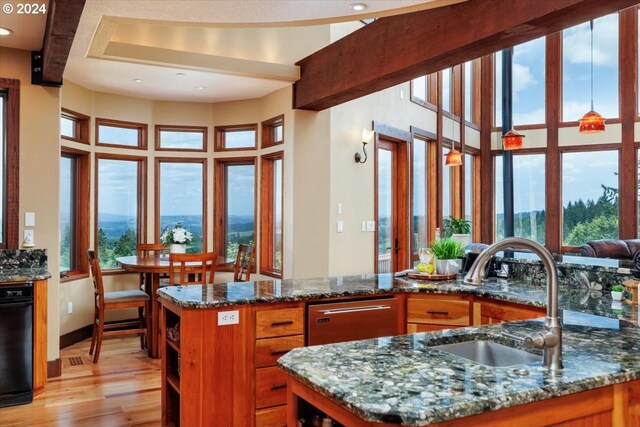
(426, 276)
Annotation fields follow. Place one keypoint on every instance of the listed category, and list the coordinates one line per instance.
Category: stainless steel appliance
(351, 320)
(16, 344)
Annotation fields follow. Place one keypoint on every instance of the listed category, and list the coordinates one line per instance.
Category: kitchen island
(217, 374)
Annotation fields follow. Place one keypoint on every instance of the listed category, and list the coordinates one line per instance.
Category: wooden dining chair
(244, 263)
(117, 300)
(192, 269)
(148, 250)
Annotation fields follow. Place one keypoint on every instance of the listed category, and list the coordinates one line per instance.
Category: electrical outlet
(228, 317)
(28, 239)
(364, 225)
(340, 226)
(371, 226)
(70, 307)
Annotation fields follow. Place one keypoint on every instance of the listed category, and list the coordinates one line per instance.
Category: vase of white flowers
(177, 237)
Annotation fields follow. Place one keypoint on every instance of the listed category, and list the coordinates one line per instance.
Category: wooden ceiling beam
(399, 48)
(62, 23)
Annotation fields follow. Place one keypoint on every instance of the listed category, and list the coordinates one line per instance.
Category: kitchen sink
(489, 353)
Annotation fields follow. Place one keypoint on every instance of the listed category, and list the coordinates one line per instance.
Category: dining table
(153, 267)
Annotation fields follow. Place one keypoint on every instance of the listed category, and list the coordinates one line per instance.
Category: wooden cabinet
(277, 331)
(435, 312)
(497, 312)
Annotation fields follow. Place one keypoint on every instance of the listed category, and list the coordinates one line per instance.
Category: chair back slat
(192, 269)
(244, 263)
(145, 250)
(96, 276)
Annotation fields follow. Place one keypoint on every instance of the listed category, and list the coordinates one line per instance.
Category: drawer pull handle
(284, 322)
(279, 352)
(278, 386)
(434, 312)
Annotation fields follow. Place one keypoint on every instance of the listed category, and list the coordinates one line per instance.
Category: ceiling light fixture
(137, 80)
(358, 7)
(5, 31)
(591, 122)
(181, 74)
(200, 87)
(512, 140)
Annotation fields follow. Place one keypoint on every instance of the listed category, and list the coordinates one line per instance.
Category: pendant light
(512, 140)
(591, 122)
(453, 158)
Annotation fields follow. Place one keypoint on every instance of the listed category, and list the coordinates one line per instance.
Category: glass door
(385, 218)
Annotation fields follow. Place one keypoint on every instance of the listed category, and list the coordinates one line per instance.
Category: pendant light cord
(591, 24)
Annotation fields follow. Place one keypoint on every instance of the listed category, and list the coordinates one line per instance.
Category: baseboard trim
(54, 368)
(76, 336)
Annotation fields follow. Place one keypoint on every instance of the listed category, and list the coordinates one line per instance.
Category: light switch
(339, 208)
(364, 225)
(340, 226)
(371, 226)
(29, 219)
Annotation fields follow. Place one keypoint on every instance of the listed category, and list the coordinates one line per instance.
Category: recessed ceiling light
(181, 74)
(358, 7)
(5, 31)
(137, 80)
(200, 87)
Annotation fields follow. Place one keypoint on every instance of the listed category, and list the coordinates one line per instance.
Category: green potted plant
(458, 229)
(447, 251)
(617, 292)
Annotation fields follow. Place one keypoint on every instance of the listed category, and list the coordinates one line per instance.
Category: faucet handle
(540, 340)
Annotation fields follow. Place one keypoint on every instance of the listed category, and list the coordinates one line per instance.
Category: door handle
(355, 309)
(397, 248)
(435, 312)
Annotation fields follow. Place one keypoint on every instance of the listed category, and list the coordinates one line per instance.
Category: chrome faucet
(551, 339)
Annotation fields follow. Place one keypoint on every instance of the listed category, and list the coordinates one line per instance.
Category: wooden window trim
(219, 208)
(178, 128)
(81, 205)
(267, 219)
(81, 122)
(11, 87)
(142, 129)
(427, 103)
(142, 197)
(201, 161)
(219, 136)
(268, 131)
(432, 179)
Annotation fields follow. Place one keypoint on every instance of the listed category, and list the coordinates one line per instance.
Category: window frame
(475, 188)
(220, 203)
(268, 131)
(142, 129)
(81, 126)
(157, 189)
(476, 81)
(10, 90)
(431, 95)
(80, 214)
(179, 128)
(142, 199)
(220, 136)
(267, 218)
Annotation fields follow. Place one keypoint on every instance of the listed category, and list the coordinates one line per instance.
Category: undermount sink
(489, 353)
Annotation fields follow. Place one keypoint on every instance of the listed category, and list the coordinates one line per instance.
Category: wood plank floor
(123, 389)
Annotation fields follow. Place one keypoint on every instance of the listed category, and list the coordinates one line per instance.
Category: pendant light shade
(591, 122)
(512, 140)
(453, 158)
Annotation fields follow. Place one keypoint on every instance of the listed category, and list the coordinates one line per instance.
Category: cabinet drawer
(413, 328)
(271, 387)
(277, 323)
(505, 312)
(438, 311)
(268, 351)
(272, 417)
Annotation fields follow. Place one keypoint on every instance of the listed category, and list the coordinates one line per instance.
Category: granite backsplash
(23, 258)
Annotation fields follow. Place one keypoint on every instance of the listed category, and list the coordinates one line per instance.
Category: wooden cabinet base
(616, 405)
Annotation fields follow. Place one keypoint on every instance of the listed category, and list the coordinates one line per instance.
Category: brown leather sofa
(619, 249)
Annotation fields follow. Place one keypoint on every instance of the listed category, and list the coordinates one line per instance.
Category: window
(576, 63)
(419, 90)
(589, 196)
(121, 134)
(528, 197)
(446, 185)
(120, 216)
(180, 198)
(468, 187)
(447, 89)
(273, 132)
(237, 137)
(9, 173)
(74, 126)
(638, 192)
(74, 212)
(234, 205)
(181, 138)
(469, 99)
(419, 219)
(271, 223)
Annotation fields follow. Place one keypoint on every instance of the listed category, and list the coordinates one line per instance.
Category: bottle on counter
(437, 233)
(327, 422)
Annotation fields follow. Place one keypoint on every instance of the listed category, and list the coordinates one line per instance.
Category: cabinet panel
(282, 322)
(272, 417)
(268, 351)
(439, 311)
(496, 312)
(271, 387)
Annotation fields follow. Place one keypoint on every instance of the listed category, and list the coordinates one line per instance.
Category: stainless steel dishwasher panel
(351, 320)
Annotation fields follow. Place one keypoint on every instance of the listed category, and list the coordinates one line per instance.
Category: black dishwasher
(16, 344)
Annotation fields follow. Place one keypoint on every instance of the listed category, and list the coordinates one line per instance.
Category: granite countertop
(15, 275)
(583, 263)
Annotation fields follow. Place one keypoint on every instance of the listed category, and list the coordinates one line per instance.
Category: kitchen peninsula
(219, 373)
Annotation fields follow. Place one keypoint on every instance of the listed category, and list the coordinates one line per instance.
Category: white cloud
(577, 42)
(522, 78)
(531, 117)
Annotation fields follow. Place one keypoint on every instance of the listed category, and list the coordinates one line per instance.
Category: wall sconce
(367, 137)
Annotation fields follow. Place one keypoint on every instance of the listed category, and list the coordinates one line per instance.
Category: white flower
(177, 234)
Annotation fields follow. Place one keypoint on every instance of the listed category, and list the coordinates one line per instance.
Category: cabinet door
(497, 312)
(440, 310)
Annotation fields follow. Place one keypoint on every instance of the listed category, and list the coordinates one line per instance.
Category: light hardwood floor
(123, 389)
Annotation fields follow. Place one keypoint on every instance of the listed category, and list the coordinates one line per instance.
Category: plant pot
(176, 248)
(617, 296)
(447, 266)
(463, 239)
